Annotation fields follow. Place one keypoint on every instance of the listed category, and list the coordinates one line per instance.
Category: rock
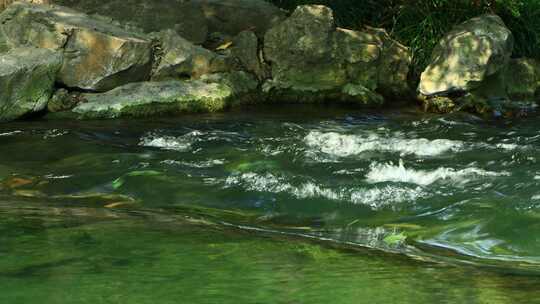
(393, 67)
(158, 98)
(26, 81)
(245, 50)
(466, 56)
(180, 58)
(522, 79)
(234, 16)
(439, 104)
(185, 16)
(63, 100)
(313, 60)
(98, 55)
(243, 85)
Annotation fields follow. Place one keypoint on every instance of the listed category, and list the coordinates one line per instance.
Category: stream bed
(298, 205)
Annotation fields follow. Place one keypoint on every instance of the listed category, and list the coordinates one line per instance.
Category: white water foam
(375, 198)
(11, 133)
(343, 145)
(176, 143)
(199, 165)
(398, 173)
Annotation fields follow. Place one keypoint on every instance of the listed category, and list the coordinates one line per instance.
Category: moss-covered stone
(26, 81)
(439, 104)
(210, 94)
(63, 100)
(180, 58)
(308, 53)
(245, 49)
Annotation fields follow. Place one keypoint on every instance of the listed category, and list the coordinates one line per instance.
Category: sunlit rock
(313, 60)
(171, 97)
(26, 81)
(98, 55)
(467, 56)
(179, 58)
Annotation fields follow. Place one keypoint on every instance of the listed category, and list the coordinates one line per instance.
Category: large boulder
(170, 97)
(99, 55)
(313, 60)
(179, 58)
(26, 81)
(185, 16)
(472, 52)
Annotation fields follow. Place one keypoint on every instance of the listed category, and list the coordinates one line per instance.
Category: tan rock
(467, 55)
(99, 55)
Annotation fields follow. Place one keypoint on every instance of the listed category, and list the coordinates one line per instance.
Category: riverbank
(56, 59)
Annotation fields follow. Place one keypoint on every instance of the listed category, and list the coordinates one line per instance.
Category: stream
(291, 205)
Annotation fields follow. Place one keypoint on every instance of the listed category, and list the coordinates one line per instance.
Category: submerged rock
(26, 81)
(467, 56)
(98, 55)
(313, 60)
(160, 98)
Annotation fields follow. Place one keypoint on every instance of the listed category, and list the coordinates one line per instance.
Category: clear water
(295, 206)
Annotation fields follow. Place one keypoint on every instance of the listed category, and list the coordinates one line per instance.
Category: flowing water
(294, 206)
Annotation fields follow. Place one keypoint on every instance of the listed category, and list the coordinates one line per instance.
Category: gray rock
(171, 97)
(26, 81)
(313, 60)
(179, 58)
(467, 56)
(98, 55)
(245, 50)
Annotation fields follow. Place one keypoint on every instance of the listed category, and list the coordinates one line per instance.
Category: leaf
(17, 182)
(395, 239)
(404, 226)
(118, 204)
(224, 46)
(29, 193)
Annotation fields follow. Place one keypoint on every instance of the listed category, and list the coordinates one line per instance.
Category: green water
(296, 206)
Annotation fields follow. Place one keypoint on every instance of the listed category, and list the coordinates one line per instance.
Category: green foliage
(420, 24)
